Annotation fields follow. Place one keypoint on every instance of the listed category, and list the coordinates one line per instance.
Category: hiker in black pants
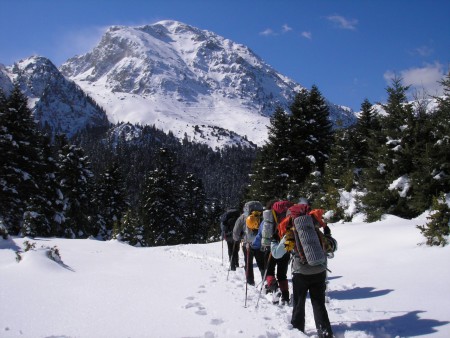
(277, 210)
(241, 232)
(305, 278)
(227, 221)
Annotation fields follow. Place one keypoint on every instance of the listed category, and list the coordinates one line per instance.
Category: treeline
(396, 161)
(150, 190)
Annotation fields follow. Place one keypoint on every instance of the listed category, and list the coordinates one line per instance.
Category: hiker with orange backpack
(300, 235)
(245, 230)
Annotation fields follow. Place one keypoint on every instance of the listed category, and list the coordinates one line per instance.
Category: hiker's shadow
(407, 325)
(357, 293)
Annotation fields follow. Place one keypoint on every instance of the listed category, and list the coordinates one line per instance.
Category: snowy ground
(383, 284)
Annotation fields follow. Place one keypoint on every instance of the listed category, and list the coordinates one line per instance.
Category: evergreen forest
(157, 190)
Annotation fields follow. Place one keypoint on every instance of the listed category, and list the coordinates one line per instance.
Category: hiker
(227, 221)
(276, 284)
(245, 230)
(306, 276)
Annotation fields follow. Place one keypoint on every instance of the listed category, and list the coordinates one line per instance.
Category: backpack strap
(275, 216)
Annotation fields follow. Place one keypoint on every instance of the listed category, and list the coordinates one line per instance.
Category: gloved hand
(326, 230)
(289, 242)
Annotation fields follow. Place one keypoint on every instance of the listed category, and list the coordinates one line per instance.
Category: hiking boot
(285, 296)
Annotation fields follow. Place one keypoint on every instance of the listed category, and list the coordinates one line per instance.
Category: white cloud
(421, 78)
(267, 32)
(307, 35)
(424, 51)
(286, 28)
(343, 22)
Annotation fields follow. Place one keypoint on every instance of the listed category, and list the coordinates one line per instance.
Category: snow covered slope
(382, 285)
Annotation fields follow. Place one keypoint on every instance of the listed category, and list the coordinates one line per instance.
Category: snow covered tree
(160, 212)
(23, 167)
(440, 150)
(339, 173)
(270, 178)
(387, 179)
(110, 200)
(437, 230)
(312, 137)
(364, 134)
(193, 207)
(76, 183)
(293, 160)
(129, 229)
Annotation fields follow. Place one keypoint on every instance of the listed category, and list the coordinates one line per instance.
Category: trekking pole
(265, 275)
(222, 250)
(232, 257)
(246, 273)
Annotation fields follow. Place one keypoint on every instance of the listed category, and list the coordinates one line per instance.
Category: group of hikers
(275, 235)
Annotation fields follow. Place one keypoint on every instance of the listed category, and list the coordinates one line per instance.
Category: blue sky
(349, 49)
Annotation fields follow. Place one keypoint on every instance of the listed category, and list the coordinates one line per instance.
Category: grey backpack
(268, 228)
(309, 247)
(252, 206)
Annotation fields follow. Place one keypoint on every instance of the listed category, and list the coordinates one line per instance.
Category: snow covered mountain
(56, 102)
(176, 77)
(185, 80)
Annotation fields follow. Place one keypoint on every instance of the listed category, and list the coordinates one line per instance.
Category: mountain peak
(178, 77)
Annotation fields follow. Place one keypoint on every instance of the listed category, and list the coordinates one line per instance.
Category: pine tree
(110, 200)
(365, 134)
(76, 184)
(387, 180)
(311, 139)
(21, 171)
(300, 161)
(440, 149)
(277, 157)
(423, 182)
(193, 209)
(339, 174)
(436, 231)
(159, 211)
(293, 160)
(47, 204)
(272, 168)
(129, 229)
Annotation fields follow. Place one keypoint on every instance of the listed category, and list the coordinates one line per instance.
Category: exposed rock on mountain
(57, 103)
